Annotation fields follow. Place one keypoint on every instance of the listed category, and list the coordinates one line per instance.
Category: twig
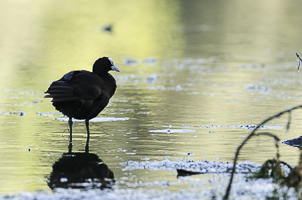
(299, 60)
(288, 121)
(227, 193)
(276, 141)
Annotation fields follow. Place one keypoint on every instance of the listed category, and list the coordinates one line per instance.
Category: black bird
(108, 28)
(82, 94)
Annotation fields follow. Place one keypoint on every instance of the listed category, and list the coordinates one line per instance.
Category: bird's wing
(75, 85)
(61, 91)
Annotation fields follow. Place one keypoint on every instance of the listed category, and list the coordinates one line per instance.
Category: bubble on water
(63, 180)
(178, 88)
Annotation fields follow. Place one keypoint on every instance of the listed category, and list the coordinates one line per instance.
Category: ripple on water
(96, 119)
(247, 126)
(56, 116)
(173, 131)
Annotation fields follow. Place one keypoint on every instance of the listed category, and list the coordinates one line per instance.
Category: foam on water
(247, 126)
(57, 116)
(201, 166)
(253, 189)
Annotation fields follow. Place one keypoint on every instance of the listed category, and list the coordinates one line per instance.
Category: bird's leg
(70, 134)
(87, 146)
(70, 148)
(88, 136)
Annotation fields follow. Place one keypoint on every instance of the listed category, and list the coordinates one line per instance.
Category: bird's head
(103, 65)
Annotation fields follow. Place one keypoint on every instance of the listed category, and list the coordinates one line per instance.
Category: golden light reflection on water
(52, 37)
(227, 45)
(42, 40)
(76, 31)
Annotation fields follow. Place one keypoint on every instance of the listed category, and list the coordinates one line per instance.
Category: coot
(82, 94)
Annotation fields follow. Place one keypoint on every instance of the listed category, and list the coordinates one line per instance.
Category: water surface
(193, 75)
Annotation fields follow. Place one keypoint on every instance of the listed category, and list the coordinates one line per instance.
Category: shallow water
(195, 78)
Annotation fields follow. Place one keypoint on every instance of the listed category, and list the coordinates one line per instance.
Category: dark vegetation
(281, 172)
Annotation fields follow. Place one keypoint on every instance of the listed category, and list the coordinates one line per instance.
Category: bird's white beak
(114, 68)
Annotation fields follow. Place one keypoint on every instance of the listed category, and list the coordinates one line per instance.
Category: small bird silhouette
(82, 94)
(108, 28)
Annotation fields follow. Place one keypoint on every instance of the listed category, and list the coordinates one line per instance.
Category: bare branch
(299, 60)
(254, 133)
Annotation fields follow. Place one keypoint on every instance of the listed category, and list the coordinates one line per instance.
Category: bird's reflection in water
(80, 170)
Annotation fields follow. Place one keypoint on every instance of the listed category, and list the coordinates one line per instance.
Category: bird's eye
(111, 61)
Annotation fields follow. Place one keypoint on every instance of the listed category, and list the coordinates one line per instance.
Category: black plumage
(82, 94)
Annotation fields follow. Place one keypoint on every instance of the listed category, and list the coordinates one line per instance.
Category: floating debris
(252, 127)
(296, 142)
(19, 113)
(182, 172)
